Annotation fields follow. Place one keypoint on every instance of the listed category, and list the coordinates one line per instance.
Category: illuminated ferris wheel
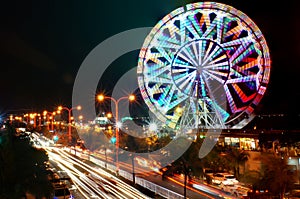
(204, 65)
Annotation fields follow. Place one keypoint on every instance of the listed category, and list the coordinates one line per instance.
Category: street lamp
(33, 117)
(101, 98)
(50, 116)
(69, 118)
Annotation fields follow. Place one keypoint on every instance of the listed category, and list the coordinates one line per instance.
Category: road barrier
(164, 192)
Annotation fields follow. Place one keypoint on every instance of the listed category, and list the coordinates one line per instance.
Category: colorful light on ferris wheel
(208, 58)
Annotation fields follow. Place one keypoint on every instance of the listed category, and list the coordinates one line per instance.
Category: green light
(55, 138)
(113, 140)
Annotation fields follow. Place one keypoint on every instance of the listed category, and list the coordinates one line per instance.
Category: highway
(92, 182)
(95, 182)
(176, 183)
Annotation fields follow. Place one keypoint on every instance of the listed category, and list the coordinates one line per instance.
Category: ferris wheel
(204, 65)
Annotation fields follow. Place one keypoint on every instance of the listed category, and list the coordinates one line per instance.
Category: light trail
(99, 178)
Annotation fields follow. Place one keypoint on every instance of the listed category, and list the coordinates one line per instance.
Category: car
(61, 191)
(236, 190)
(224, 178)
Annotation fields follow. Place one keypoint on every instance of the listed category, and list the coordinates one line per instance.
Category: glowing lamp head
(45, 113)
(100, 98)
(59, 108)
(131, 97)
(78, 107)
(109, 115)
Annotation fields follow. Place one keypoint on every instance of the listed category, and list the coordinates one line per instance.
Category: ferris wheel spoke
(164, 54)
(247, 67)
(215, 52)
(154, 62)
(244, 54)
(241, 41)
(218, 73)
(155, 80)
(180, 78)
(207, 52)
(249, 78)
(188, 57)
(157, 71)
(168, 42)
(194, 22)
(209, 31)
(231, 102)
(234, 31)
(187, 83)
(169, 106)
(202, 87)
(218, 66)
(220, 60)
(205, 20)
(190, 27)
(182, 65)
(214, 76)
(180, 71)
(220, 28)
(196, 52)
(244, 98)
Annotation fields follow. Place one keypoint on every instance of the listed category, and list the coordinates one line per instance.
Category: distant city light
(153, 127)
(119, 124)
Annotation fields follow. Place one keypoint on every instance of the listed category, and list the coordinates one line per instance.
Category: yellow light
(109, 115)
(59, 108)
(131, 98)
(80, 117)
(100, 97)
(78, 107)
(179, 110)
(45, 113)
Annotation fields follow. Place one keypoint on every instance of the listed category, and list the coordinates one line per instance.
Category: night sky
(43, 43)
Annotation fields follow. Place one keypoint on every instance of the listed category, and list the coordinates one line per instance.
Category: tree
(278, 177)
(236, 158)
(22, 167)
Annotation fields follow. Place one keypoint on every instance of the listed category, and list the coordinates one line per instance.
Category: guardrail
(162, 191)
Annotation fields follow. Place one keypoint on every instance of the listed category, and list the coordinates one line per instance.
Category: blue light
(55, 138)
(113, 140)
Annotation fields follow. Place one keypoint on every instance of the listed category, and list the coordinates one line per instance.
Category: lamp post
(69, 119)
(33, 117)
(101, 98)
(49, 115)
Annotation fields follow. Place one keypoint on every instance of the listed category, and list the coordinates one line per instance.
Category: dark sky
(44, 42)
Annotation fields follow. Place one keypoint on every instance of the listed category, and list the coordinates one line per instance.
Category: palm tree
(277, 175)
(236, 158)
